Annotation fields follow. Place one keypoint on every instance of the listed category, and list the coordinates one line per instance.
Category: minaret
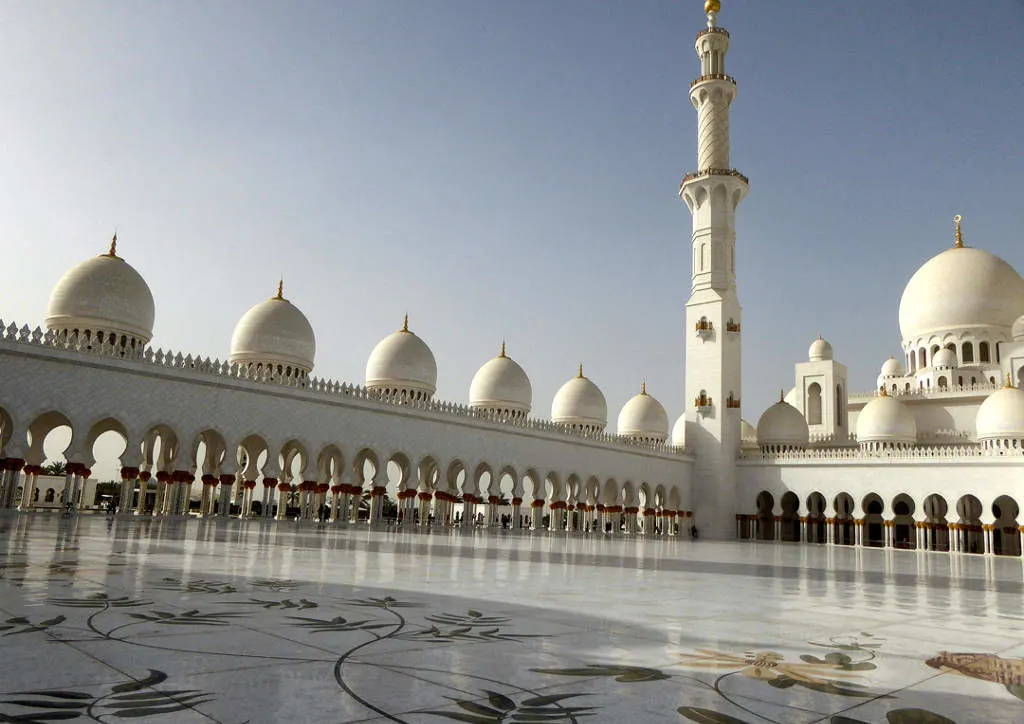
(712, 193)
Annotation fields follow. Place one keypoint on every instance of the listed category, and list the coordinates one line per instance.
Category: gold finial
(280, 289)
(883, 392)
(782, 395)
(502, 349)
(959, 237)
(712, 6)
(643, 387)
(405, 323)
(113, 246)
(580, 375)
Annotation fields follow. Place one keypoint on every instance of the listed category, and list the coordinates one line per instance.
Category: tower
(713, 328)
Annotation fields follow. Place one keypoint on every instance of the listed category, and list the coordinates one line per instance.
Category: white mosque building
(932, 459)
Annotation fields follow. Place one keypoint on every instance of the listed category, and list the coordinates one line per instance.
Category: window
(967, 352)
(983, 354)
(814, 404)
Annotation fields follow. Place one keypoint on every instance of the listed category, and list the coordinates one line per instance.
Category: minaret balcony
(704, 329)
(704, 405)
(733, 403)
(713, 76)
(732, 326)
(717, 30)
(704, 173)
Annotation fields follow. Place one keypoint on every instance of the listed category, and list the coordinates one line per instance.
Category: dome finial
(883, 392)
(502, 349)
(280, 289)
(959, 236)
(113, 246)
(782, 395)
(643, 387)
(580, 374)
(405, 323)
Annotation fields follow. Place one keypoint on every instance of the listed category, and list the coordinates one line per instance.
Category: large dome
(580, 403)
(275, 333)
(402, 363)
(782, 425)
(502, 386)
(106, 295)
(1017, 330)
(886, 420)
(961, 288)
(1001, 415)
(643, 418)
(679, 432)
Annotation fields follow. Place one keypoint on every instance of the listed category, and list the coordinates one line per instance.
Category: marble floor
(227, 621)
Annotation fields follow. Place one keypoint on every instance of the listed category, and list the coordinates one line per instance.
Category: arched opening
(983, 352)
(840, 407)
(967, 353)
(922, 358)
(874, 525)
(943, 383)
(765, 516)
(904, 533)
(814, 404)
(1005, 530)
(936, 526)
(816, 518)
(844, 525)
(972, 536)
(790, 517)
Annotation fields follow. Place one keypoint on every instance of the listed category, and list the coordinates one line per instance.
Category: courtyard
(188, 620)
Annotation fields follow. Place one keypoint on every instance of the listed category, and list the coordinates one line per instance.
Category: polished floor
(228, 621)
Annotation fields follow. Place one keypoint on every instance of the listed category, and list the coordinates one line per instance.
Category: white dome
(820, 350)
(1017, 331)
(886, 420)
(274, 332)
(748, 435)
(782, 424)
(892, 367)
(679, 431)
(103, 294)
(944, 358)
(1001, 415)
(960, 288)
(501, 384)
(580, 403)
(643, 417)
(402, 362)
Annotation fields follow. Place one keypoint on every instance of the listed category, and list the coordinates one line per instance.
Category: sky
(506, 171)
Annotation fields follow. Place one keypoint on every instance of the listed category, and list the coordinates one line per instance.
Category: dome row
(105, 298)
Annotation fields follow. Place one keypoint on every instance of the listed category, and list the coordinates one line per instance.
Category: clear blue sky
(506, 170)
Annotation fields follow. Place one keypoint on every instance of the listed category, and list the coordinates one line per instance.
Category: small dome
(782, 425)
(886, 420)
(892, 367)
(501, 385)
(275, 333)
(1017, 331)
(679, 432)
(402, 363)
(103, 294)
(748, 436)
(820, 350)
(944, 358)
(580, 403)
(1001, 415)
(643, 418)
(960, 288)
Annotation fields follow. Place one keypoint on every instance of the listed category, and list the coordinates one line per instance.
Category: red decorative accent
(494, 499)
(163, 476)
(632, 510)
(378, 492)
(209, 480)
(127, 473)
(322, 488)
(145, 476)
(269, 482)
(469, 498)
(537, 504)
(354, 489)
(517, 501)
(406, 494)
(649, 511)
(249, 484)
(86, 473)
(688, 513)
(72, 468)
(558, 505)
(227, 480)
(600, 508)
(424, 496)
(307, 485)
(336, 489)
(284, 487)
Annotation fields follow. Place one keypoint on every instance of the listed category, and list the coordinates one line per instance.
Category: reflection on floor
(229, 621)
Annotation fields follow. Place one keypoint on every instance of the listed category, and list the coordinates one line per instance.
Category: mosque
(932, 459)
